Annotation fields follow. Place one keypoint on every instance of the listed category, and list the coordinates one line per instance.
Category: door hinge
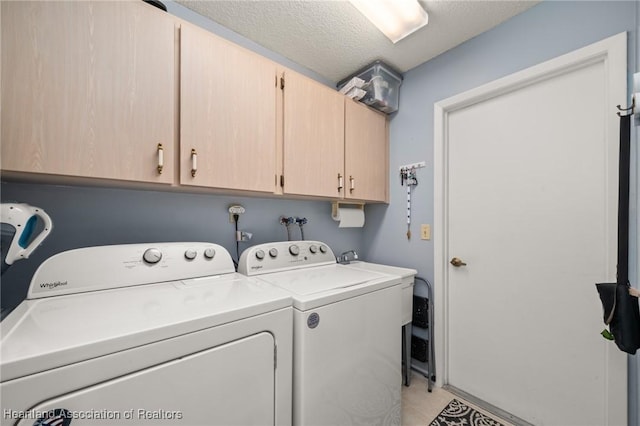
(282, 83)
(276, 80)
(282, 181)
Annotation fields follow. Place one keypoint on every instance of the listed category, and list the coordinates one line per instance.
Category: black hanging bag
(621, 311)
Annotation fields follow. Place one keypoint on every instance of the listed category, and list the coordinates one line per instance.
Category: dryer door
(231, 384)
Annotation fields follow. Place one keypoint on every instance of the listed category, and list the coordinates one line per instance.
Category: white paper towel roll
(349, 218)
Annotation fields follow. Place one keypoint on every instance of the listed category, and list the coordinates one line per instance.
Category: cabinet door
(313, 138)
(227, 114)
(88, 89)
(366, 153)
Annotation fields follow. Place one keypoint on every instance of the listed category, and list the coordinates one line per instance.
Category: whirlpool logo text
(51, 286)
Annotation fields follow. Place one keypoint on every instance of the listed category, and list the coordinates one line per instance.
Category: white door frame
(613, 53)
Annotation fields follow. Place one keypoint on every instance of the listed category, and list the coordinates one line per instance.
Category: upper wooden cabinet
(366, 153)
(88, 89)
(313, 138)
(91, 89)
(227, 114)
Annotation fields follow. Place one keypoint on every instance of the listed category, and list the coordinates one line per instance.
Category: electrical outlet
(425, 232)
(235, 209)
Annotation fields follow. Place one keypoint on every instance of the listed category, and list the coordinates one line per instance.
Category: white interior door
(529, 203)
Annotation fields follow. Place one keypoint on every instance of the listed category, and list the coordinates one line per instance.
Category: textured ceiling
(333, 39)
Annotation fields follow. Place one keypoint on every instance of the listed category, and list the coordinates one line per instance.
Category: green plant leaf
(607, 334)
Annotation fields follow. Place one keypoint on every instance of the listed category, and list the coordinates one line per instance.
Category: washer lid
(406, 274)
(317, 286)
(42, 334)
(385, 269)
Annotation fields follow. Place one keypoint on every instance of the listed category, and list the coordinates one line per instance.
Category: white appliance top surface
(309, 272)
(385, 269)
(317, 286)
(50, 332)
(310, 281)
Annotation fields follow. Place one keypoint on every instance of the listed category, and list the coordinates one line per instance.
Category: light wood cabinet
(88, 89)
(95, 89)
(227, 114)
(366, 153)
(313, 150)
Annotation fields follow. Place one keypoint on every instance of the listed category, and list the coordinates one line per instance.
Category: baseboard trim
(498, 412)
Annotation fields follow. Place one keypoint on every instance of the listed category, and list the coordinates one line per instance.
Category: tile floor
(420, 407)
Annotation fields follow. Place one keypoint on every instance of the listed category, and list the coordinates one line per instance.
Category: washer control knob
(294, 250)
(273, 252)
(190, 254)
(260, 254)
(323, 248)
(313, 249)
(209, 253)
(152, 255)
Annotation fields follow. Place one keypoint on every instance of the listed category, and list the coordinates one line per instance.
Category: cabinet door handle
(352, 184)
(340, 182)
(160, 158)
(194, 162)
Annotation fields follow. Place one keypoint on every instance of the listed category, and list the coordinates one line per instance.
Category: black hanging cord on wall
(235, 220)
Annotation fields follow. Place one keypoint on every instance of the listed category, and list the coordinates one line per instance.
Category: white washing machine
(407, 276)
(347, 342)
(158, 334)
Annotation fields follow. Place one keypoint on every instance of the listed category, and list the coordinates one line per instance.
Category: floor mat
(460, 414)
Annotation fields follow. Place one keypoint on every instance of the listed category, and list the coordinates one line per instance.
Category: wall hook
(630, 110)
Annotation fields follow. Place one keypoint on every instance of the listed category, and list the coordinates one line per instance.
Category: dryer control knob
(294, 250)
(190, 254)
(313, 249)
(323, 248)
(273, 252)
(260, 254)
(209, 253)
(152, 255)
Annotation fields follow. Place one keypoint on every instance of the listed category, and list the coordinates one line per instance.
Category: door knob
(457, 262)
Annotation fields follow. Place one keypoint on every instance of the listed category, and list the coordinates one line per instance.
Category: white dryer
(347, 341)
(158, 334)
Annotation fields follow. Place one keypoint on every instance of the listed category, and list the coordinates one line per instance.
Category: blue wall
(547, 30)
(88, 216)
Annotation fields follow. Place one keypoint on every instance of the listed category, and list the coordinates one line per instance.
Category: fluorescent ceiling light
(395, 18)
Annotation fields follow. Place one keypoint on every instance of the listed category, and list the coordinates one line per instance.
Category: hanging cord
(301, 222)
(431, 353)
(408, 212)
(408, 177)
(235, 220)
